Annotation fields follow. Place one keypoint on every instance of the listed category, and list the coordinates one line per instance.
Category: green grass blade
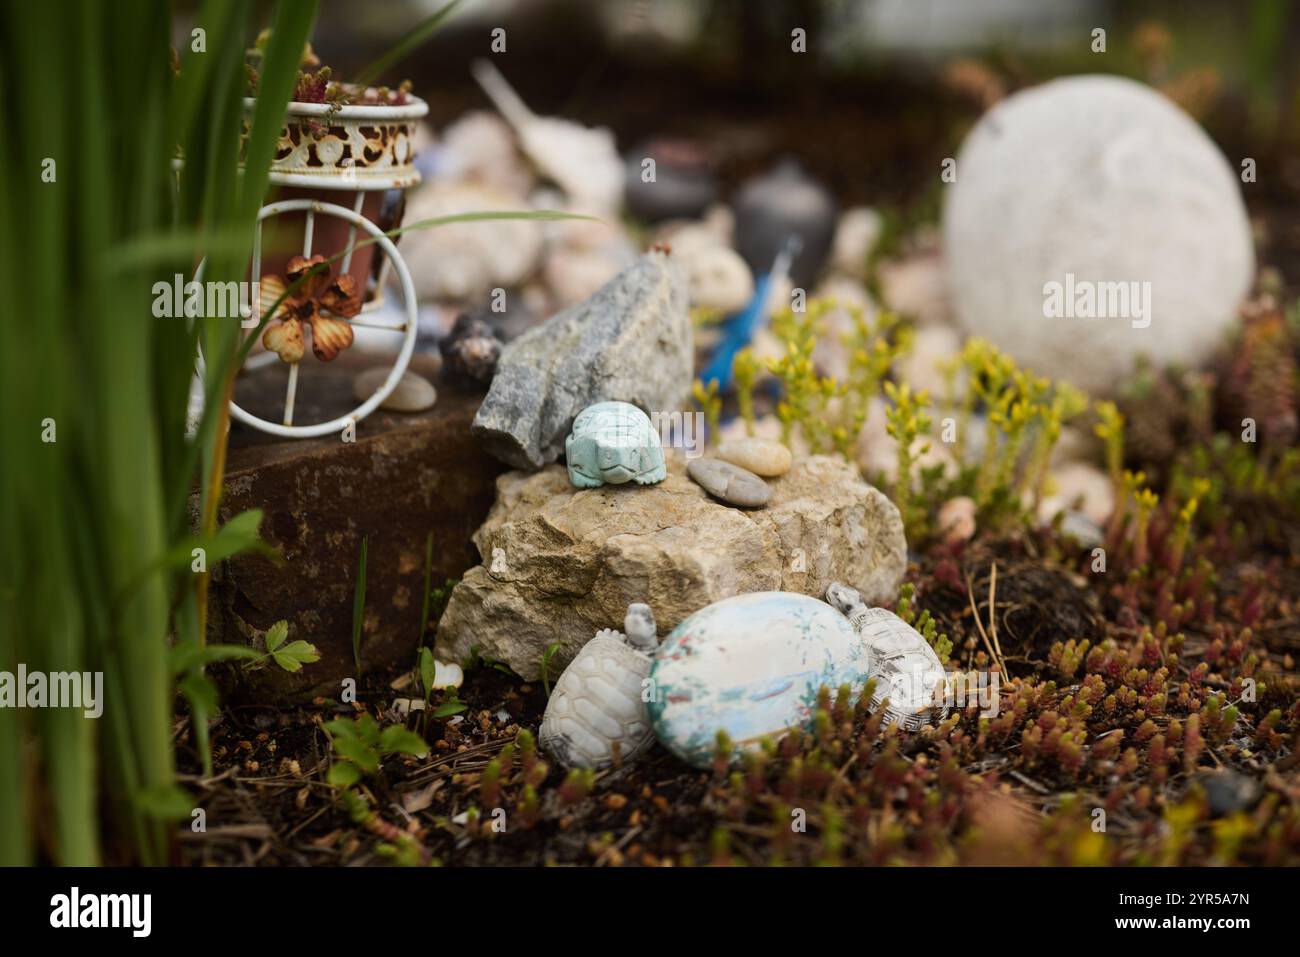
(359, 605)
(406, 46)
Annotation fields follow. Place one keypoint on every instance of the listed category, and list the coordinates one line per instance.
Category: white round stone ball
(1066, 189)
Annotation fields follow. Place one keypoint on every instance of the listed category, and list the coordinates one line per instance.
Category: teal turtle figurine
(612, 443)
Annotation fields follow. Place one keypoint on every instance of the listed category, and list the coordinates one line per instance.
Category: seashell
(583, 162)
(447, 675)
(597, 703)
(614, 442)
(719, 279)
(470, 351)
(329, 336)
(751, 666)
(285, 340)
(402, 707)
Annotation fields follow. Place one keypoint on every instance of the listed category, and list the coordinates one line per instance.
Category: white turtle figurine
(597, 702)
(612, 443)
(907, 670)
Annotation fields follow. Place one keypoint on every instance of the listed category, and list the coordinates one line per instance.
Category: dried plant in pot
(342, 160)
(325, 239)
(346, 145)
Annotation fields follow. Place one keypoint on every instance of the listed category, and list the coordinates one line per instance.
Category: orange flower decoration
(323, 302)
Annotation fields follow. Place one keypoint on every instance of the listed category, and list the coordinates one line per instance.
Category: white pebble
(413, 393)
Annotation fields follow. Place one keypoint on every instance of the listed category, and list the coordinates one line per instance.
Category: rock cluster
(630, 342)
(560, 563)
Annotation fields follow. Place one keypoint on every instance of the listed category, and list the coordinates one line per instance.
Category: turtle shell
(908, 672)
(750, 666)
(597, 703)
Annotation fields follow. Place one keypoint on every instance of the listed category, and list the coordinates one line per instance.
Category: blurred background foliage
(892, 78)
(885, 91)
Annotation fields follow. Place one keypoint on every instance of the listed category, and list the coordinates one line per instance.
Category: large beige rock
(559, 563)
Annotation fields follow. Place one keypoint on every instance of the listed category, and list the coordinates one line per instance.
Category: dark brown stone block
(406, 475)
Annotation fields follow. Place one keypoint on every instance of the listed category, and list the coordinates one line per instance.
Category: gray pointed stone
(630, 342)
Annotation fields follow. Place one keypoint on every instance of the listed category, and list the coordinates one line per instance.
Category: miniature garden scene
(651, 433)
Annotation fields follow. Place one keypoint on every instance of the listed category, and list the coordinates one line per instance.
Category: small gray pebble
(1228, 791)
(730, 483)
(1085, 531)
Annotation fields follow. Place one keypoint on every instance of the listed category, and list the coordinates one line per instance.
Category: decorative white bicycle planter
(363, 150)
(313, 208)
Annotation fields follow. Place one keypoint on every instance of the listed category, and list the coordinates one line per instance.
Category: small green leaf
(199, 691)
(399, 740)
(547, 655)
(448, 708)
(343, 774)
(368, 730)
(296, 654)
(276, 634)
(189, 656)
(341, 728)
(358, 752)
(428, 670)
(236, 537)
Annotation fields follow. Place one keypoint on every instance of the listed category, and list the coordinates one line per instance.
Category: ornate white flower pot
(348, 156)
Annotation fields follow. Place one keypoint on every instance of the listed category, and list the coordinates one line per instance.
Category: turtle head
(842, 598)
(640, 628)
(618, 462)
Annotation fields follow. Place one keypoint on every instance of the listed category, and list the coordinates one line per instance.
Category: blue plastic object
(740, 329)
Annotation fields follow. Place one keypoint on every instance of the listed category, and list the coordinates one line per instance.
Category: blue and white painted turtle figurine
(612, 443)
(752, 666)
